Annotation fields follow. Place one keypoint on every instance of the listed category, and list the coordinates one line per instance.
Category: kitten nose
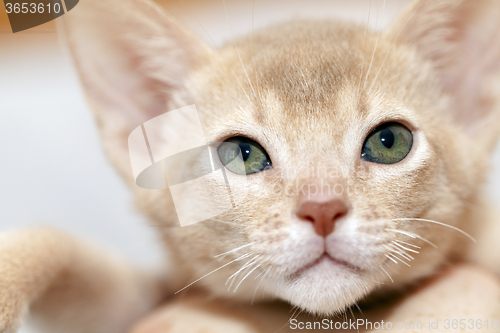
(322, 213)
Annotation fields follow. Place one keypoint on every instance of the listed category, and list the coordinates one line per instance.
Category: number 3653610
(32, 8)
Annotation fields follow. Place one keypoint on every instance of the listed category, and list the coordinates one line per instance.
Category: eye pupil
(387, 138)
(245, 150)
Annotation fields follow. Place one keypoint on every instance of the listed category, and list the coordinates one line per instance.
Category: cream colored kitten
(396, 127)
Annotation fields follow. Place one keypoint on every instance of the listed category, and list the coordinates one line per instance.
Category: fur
(309, 92)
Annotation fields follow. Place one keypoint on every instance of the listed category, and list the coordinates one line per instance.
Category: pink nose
(322, 214)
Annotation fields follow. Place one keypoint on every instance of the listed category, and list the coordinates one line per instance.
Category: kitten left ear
(132, 59)
(461, 38)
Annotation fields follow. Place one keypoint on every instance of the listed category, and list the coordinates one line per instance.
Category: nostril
(323, 215)
(339, 215)
(309, 218)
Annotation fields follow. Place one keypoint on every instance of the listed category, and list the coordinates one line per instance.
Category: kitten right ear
(130, 57)
(461, 40)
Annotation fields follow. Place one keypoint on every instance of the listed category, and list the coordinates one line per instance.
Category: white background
(52, 169)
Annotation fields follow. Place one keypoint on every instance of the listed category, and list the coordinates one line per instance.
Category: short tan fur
(309, 92)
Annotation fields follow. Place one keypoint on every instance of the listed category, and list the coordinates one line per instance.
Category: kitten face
(323, 224)
(311, 103)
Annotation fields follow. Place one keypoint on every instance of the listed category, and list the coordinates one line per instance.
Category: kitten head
(357, 150)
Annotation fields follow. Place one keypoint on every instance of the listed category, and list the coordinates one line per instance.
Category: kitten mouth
(324, 257)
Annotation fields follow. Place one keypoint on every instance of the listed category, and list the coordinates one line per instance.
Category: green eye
(243, 156)
(387, 144)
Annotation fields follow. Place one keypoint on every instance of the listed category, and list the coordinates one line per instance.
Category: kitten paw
(186, 318)
(14, 302)
(11, 315)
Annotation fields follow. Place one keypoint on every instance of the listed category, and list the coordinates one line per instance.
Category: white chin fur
(325, 288)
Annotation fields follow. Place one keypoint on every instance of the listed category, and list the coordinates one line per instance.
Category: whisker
(376, 76)
(253, 269)
(234, 250)
(292, 317)
(249, 263)
(255, 68)
(439, 223)
(374, 51)
(415, 246)
(352, 313)
(377, 281)
(217, 48)
(394, 261)
(392, 44)
(412, 235)
(404, 255)
(344, 315)
(359, 309)
(215, 270)
(399, 259)
(382, 268)
(404, 249)
(401, 252)
(237, 50)
(258, 284)
(366, 38)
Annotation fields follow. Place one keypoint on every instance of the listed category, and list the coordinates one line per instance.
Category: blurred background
(52, 168)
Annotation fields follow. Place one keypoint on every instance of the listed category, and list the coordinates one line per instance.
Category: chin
(326, 288)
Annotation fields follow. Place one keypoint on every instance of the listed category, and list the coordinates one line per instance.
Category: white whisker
(258, 284)
(415, 246)
(377, 281)
(404, 255)
(366, 38)
(233, 276)
(392, 44)
(382, 268)
(374, 51)
(394, 261)
(439, 223)
(412, 235)
(352, 313)
(217, 48)
(404, 249)
(234, 250)
(359, 309)
(253, 269)
(399, 259)
(292, 317)
(401, 253)
(215, 270)
(237, 50)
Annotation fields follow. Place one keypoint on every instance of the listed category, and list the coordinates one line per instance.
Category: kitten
(358, 154)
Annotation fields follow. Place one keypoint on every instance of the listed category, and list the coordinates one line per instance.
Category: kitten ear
(130, 57)
(461, 38)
